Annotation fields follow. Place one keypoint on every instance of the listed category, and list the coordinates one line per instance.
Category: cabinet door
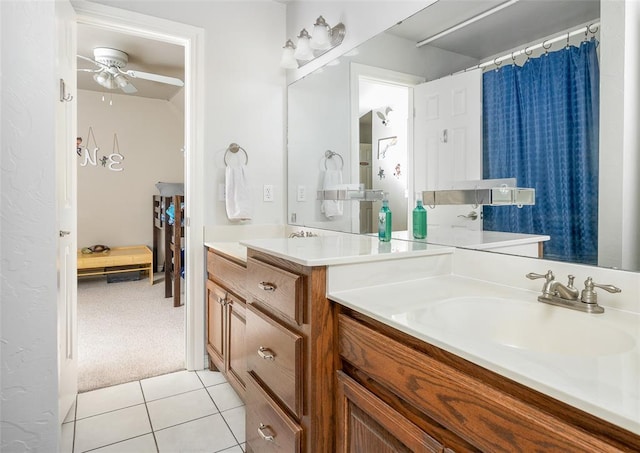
(237, 358)
(216, 301)
(367, 424)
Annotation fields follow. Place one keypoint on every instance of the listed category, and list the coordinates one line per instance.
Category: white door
(448, 142)
(66, 205)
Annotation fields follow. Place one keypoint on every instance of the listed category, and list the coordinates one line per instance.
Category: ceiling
(144, 55)
(509, 28)
(501, 30)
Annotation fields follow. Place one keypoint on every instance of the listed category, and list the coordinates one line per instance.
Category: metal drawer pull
(266, 353)
(263, 435)
(266, 286)
(222, 301)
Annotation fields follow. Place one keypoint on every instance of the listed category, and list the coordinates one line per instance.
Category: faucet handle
(589, 296)
(570, 283)
(549, 277)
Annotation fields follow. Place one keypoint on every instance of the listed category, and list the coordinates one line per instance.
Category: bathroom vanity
(351, 345)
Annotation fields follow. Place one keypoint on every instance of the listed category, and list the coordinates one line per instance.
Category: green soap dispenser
(384, 221)
(419, 221)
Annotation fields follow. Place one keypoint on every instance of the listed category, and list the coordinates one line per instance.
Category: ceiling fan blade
(97, 63)
(89, 70)
(155, 78)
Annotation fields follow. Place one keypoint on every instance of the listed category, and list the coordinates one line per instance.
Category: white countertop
(478, 240)
(341, 249)
(233, 249)
(607, 386)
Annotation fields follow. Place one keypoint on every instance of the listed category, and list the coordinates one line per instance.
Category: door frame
(192, 39)
(384, 76)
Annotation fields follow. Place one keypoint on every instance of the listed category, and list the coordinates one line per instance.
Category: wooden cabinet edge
(603, 436)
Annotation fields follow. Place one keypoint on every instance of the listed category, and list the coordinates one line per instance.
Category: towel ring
(234, 148)
(328, 154)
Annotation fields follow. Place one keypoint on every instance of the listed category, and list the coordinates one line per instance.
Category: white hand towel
(238, 194)
(332, 180)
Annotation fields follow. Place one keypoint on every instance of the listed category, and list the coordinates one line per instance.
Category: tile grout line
(220, 412)
(153, 432)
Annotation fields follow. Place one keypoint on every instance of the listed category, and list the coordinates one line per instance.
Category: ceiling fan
(110, 72)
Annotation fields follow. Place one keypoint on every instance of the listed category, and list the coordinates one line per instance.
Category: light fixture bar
(467, 22)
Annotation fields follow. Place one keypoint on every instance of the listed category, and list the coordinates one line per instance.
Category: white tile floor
(178, 412)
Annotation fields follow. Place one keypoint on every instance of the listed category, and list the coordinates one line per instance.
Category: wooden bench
(116, 260)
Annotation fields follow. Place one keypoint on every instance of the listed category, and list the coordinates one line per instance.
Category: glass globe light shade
(288, 60)
(303, 50)
(321, 38)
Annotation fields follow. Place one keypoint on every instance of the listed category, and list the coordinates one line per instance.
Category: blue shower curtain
(540, 125)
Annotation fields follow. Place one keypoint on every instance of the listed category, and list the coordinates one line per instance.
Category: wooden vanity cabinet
(290, 357)
(226, 318)
(397, 393)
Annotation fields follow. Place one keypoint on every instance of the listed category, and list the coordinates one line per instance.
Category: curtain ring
(593, 32)
(546, 47)
(513, 58)
(528, 52)
(567, 46)
(497, 63)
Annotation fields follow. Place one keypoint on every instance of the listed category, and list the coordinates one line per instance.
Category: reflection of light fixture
(309, 47)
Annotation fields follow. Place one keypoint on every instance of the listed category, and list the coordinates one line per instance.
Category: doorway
(190, 38)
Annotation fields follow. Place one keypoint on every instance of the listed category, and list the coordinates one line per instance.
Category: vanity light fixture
(308, 46)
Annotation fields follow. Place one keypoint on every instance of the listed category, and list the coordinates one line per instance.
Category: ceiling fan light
(120, 80)
(321, 35)
(110, 83)
(101, 77)
(303, 50)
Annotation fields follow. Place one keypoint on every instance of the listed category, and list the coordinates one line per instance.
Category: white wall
(29, 379)
(618, 210)
(244, 94)
(114, 208)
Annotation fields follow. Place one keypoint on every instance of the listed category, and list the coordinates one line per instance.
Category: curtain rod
(466, 22)
(546, 44)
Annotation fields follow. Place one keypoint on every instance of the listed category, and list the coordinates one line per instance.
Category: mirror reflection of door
(448, 143)
(383, 129)
(366, 177)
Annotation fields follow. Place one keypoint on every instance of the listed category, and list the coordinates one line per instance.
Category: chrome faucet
(302, 234)
(555, 293)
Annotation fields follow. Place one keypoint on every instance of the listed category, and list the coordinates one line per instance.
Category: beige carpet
(126, 331)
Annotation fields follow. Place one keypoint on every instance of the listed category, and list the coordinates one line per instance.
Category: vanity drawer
(274, 356)
(277, 288)
(268, 428)
(230, 274)
(481, 414)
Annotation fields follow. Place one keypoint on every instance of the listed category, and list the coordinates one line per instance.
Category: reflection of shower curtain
(541, 126)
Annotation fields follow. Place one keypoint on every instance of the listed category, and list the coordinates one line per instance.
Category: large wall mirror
(406, 112)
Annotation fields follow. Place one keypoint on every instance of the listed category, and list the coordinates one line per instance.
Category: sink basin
(531, 326)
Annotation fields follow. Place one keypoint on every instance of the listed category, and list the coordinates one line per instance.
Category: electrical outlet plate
(267, 194)
(302, 193)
